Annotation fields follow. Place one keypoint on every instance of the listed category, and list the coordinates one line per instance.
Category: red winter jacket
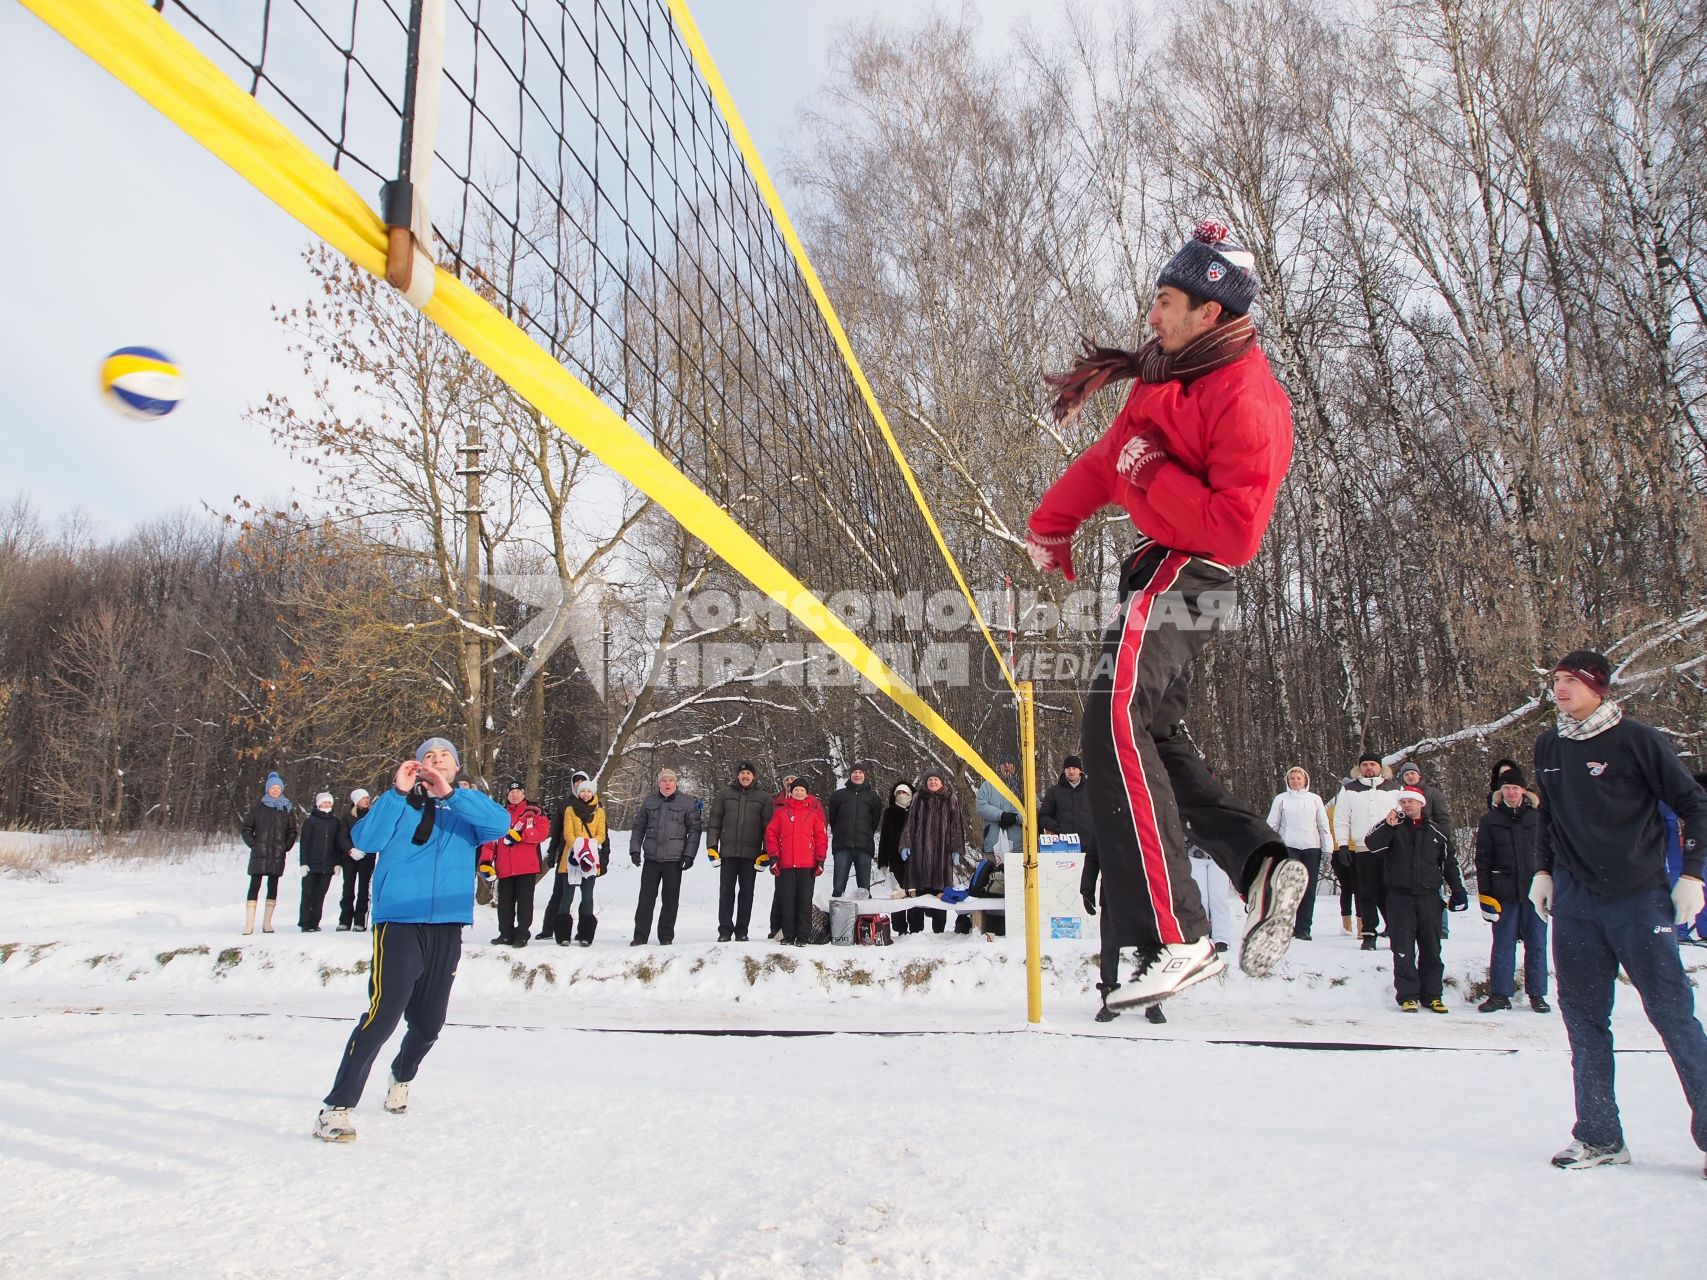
(522, 857)
(797, 837)
(1228, 437)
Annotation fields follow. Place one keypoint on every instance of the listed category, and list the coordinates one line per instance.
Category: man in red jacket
(1195, 458)
(797, 840)
(515, 859)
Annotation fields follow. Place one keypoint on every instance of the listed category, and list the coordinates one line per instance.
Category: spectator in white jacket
(1359, 808)
(1300, 819)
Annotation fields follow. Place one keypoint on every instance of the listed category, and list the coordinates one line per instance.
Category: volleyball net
(568, 191)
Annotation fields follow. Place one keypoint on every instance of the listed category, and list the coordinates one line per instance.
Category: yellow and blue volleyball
(141, 382)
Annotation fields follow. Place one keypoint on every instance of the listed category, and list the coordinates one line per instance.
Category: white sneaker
(1580, 1155)
(1167, 972)
(1272, 913)
(335, 1124)
(396, 1095)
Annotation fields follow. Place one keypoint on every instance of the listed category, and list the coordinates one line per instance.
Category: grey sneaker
(335, 1124)
(1580, 1155)
(396, 1095)
(1272, 913)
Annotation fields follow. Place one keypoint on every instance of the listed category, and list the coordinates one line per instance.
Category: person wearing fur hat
(931, 839)
(1505, 869)
(584, 857)
(321, 850)
(270, 830)
(889, 830)
(357, 868)
(1600, 878)
(1300, 819)
(425, 833)
(734, 839)
(1195, 458)
(1366, 799)
(1418, 864)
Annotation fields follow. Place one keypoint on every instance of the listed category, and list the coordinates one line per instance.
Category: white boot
(1167, 971)
(335, 1124)
(267, 917)
(396, 1095)
(248, 917)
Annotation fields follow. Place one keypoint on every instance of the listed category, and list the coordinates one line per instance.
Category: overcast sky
(125, 232)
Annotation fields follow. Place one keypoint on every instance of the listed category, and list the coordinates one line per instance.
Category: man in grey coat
(664, 842)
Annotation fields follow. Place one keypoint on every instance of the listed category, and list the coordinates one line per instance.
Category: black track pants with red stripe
(1148, 784)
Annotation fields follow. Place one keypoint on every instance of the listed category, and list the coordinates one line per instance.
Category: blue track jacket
(430, 883)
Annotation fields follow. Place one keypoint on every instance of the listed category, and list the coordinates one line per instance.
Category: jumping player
(1195, 458)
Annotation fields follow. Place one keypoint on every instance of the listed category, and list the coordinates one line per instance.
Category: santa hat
(1411, 793)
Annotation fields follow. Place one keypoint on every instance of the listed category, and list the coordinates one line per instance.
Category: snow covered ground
(159, 1073)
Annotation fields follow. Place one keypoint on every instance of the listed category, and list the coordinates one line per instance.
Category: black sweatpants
(794, 892)
(735, 877)
(358, 875)
(1413, 932)
(568, 927)
(653, 877)
(515, 907)
(413, 968)
(1370, 873)
(314, 887)
(915, 918)
(1147, 780)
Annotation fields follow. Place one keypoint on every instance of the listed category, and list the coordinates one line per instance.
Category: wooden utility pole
(473, 647)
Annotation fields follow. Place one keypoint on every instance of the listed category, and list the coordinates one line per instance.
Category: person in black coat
(269, 829)
(1505, 869)
(1066, 809)
(855, 814)
(734, 838)
(324, 843)
(1416, 861)
(357, 867)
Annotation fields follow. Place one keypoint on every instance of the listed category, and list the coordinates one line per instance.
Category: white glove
(1687, 899)
(305, 871)
(357, 855)
(1541, 895)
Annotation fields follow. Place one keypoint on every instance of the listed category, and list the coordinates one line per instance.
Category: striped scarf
(1099, 366)
(1597, 721)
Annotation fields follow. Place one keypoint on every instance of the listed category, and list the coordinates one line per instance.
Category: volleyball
(141, 382)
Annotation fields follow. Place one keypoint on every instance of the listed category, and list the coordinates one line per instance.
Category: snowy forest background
(1482, 237)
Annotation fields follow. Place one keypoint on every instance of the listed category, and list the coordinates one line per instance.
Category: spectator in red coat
(515, 860)
(798, 842)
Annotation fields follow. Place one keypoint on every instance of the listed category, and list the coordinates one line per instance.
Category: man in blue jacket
(425, 834)
(1600, 874)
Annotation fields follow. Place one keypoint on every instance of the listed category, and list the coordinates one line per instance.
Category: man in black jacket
(1600, 874)
(734, 837)
(854, 814)
(1416, 860)
(1066, 810)
(1505, 867)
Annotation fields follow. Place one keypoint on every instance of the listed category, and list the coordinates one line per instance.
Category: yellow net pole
(1033, 939)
